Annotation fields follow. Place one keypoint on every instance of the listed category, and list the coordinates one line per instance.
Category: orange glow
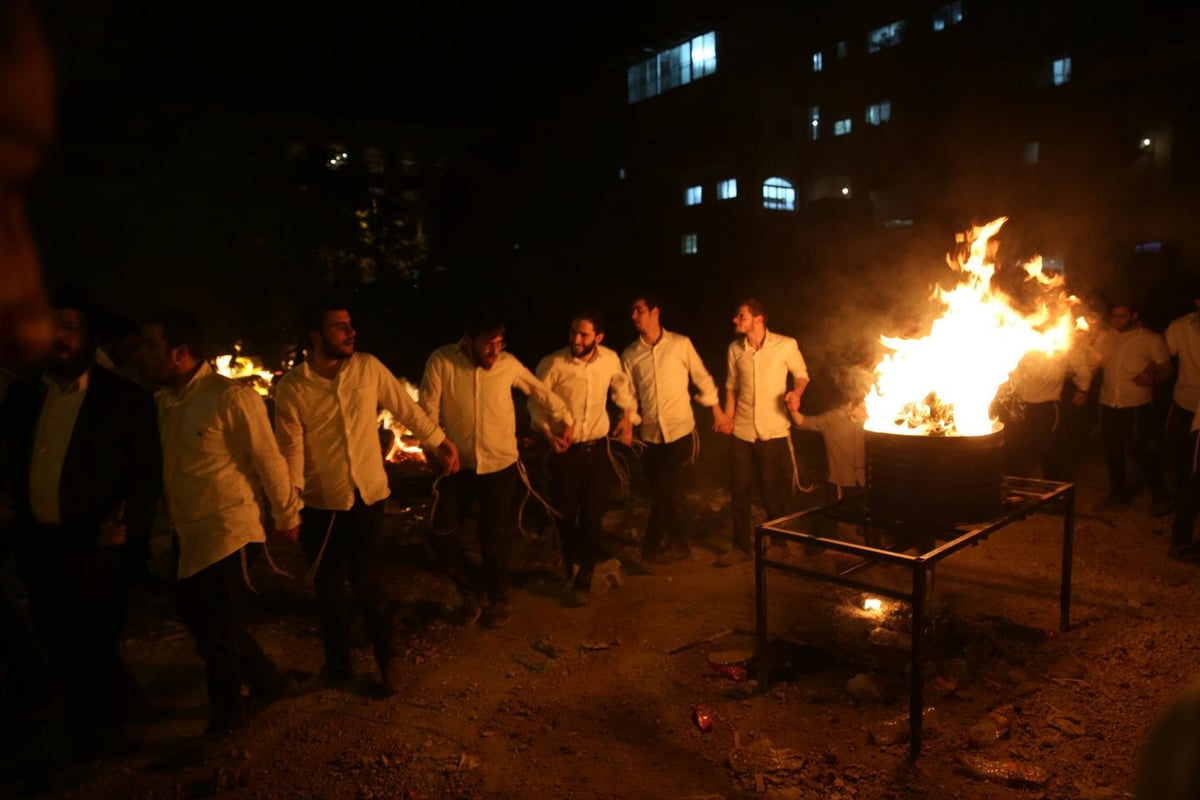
(404, 445)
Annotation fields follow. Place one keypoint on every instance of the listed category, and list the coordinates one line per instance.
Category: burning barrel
(935, 480)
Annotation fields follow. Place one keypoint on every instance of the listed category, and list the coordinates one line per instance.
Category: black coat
(114, 456)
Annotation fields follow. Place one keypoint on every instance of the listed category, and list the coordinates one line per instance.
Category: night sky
(464, 63)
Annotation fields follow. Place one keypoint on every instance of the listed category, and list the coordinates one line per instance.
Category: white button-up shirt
(1039, 377)
(328, 430)
(660, 375)
(475, 405)
(759, 378)
(585, 386)
(1183, 341)
(55, 424)
(219, 459)
(1124, 355)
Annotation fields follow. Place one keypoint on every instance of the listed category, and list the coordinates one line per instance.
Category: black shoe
(733, 558)
(574, 596)
(499, 614)
(1188, 553)
(335, 677)
(1113, 502)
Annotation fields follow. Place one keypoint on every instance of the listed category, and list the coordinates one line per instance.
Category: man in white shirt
(1183, 343)
(219, 459)
(1133, 359)
(1032, 412)
(585, 374)
(326, 412)
(467, 389)
(758, 365)
(660, 365)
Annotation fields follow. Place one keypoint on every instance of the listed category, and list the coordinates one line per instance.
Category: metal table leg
(916, 694)
(1064, 622)
(760, 613)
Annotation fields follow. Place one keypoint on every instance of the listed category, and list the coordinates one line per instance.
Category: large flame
(404, 445)
(944, 383)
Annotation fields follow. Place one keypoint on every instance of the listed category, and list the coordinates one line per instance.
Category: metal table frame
(1034, 496)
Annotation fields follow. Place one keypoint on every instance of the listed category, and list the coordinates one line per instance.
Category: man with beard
(1132, 360)
(326, 412)
(86, 472)
(219, 460)
(584, 374)
(661, 364)
(467, 388)
(759, 362)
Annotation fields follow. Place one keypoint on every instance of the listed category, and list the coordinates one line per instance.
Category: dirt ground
(600, 701)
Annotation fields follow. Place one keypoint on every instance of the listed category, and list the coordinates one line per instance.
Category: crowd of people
(92, 456)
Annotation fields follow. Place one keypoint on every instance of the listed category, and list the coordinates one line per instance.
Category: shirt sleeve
(816, 422)
(537, 412)
(1158, 350)
(527, 382)
(795, 361)
(395, 399)
(253, 434)
(705, 386)
(1080, 367)
(289, 431)
(731, 367)
(621, 391)
(431, 389)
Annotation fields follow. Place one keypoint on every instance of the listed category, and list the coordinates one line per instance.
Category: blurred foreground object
(26, 128)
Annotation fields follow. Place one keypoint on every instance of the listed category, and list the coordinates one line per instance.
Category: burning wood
(944, 384)
(404, 446)
(246, 369)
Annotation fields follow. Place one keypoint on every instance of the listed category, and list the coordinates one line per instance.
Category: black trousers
(664, 465)
(1032, 439)
(580, 481)
(1179, 441)
(1132, 429)
(210, 604)
(495, 493)
(350, 575)
(1187, 505)
(760, 467)
(77, 601)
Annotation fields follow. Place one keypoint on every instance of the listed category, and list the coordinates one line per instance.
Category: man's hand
(111, 533)
(792, 400)
(624, 432)
(289, 534)
(722, 422)
(447, 454)
(1079, 398)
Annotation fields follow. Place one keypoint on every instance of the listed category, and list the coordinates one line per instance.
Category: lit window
(411, 195)
(374, 160)
(1148, 247)
(842, 50)
(947, 15)
(841, 127)
(673, 67)
(885, 37)
(903, 222)
(1032, 152)
(704, 54)
(688, 244)
(408, 164)
(814, 123)
(779, 195)
(693, 195)
(1062, 70)
(621, 174)
(727, 189)
(879, 113)
(818, 62)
